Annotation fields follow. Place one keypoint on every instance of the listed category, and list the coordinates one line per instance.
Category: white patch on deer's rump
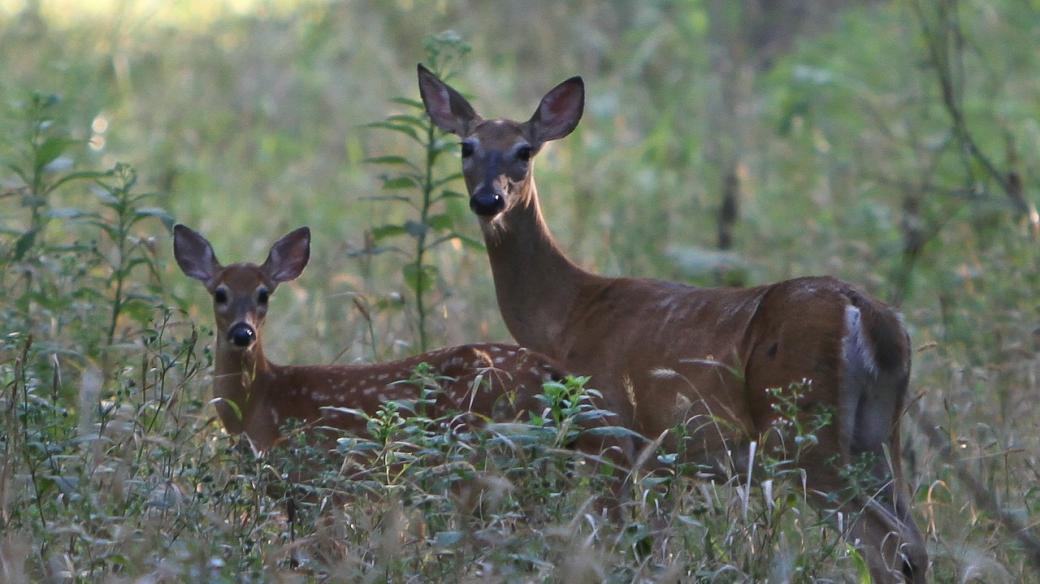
(856, 351)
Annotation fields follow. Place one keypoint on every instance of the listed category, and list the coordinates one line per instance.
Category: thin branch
(938, 42)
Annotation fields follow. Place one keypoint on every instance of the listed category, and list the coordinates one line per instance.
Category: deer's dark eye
(467, 149)
(523, 153)
(262, 296)
(220, 296)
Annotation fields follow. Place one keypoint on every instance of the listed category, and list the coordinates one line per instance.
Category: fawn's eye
(262, 296)
(523, 153)
(220, 296)
(467, 149)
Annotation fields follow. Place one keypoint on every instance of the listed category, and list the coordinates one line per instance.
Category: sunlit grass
(187, 14)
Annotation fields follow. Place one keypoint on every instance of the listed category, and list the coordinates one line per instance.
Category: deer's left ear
(288, 256)
(558, 113)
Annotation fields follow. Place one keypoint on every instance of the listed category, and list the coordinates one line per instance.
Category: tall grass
(249, 124)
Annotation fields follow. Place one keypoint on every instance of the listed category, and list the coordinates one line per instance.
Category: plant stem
(420, 241)
(117, 301)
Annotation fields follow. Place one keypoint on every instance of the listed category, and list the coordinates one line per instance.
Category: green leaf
(399, 182)
(409, 102)
(107, 198)
(439, 222)
(230, 403)
(68, 213)
(24, 244)
(389, 198)
(384, 231)
(138, 311)
(414, 228)
(50, 150)
(407, 119)
(400, 128)
(449, 194)
(389, 160)
(159, 213)
(419, 280)
(349, 411)
(612, 432)
(78, 175)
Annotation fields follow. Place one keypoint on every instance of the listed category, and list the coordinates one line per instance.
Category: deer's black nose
(487, 203)
(242, 335)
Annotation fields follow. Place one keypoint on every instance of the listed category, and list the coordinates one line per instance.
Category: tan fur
(257, 397)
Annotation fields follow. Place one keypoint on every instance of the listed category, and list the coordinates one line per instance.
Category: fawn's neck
(536, 284)
(235, 379)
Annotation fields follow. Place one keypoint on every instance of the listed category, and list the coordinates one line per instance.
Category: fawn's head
(241, 291)
(496, 154)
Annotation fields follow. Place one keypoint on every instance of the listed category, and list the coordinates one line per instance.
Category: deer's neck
(536, 284)
(238, 377)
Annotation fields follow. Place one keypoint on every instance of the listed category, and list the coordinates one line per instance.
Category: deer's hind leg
(871, 485)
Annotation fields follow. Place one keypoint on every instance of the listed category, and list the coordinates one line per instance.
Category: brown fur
(665, 354)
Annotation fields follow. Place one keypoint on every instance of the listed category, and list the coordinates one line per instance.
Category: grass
(247, 124)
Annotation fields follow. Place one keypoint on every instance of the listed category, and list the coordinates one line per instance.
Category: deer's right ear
(194, 254)
(447, 108)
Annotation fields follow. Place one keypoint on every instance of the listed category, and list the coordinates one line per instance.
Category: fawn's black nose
(486, 203)
(242, 335)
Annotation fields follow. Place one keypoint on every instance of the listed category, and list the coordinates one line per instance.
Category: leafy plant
(43, 164)
(124, 211)
(418, 185)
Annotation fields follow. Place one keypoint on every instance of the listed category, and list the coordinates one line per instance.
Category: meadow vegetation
(887, 143)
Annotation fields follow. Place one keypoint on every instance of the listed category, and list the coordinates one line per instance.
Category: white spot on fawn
(664, 373)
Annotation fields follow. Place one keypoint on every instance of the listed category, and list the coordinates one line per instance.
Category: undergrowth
(113, 466)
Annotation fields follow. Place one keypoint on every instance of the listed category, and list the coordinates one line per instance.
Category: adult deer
(666, 354)
(255, 396)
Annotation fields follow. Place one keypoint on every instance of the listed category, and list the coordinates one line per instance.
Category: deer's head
(241, 291)
(497, 153)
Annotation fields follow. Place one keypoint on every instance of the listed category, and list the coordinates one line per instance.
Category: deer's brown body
(255, 397)
(487, 381)
(666, 354)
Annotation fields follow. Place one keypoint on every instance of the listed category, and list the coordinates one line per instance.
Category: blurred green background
(892, 144)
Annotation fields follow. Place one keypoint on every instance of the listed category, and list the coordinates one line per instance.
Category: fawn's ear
(288, 256)
(194, 255)
(447, 108)
(558, 113)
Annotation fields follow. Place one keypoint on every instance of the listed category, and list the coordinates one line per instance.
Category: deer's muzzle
(487, 203)
(241, 335)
